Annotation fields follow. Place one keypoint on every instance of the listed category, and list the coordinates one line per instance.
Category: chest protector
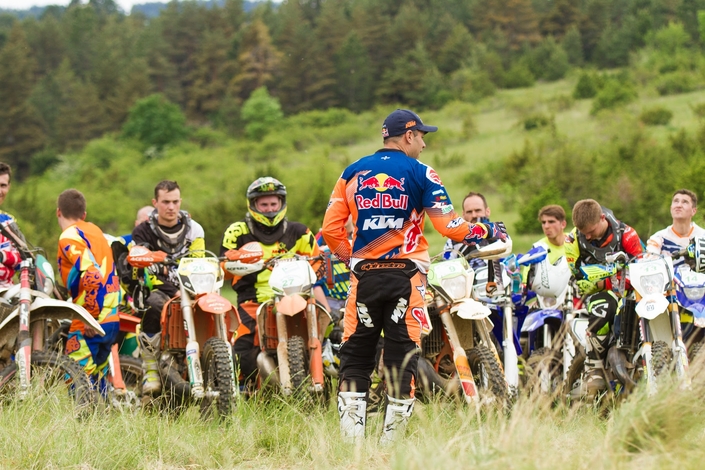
(591, 254)
(172, 243)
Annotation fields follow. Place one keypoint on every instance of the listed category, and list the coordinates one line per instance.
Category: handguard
(141, 257)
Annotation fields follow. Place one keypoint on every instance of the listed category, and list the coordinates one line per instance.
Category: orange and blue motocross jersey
(88, 271)
(388, 194)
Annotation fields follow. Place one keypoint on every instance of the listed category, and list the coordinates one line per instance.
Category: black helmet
(266, 186)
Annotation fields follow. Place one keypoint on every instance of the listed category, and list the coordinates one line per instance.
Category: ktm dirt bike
(648, 342)
(30, 315)
(291, 325)
(459, 354)
(195, 361)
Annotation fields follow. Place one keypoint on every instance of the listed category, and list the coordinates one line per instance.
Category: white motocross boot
(150, 347)
(395, 420)
(352, 407)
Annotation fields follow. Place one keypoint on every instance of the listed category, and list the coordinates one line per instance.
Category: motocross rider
(553, 223)
(9, 256)
(86, 266)
(675, 237)
(597, 233)
(171, 230)
(388, 194)
(265, 223)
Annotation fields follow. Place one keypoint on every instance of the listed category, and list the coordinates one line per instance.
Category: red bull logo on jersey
(382, 201)
(380, 182)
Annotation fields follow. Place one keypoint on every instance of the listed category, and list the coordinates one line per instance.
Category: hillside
(308, 151)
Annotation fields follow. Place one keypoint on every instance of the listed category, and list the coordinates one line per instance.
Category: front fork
(511, 366)
(315, 349)
(23, 357)
(462, 366)
(193, 352)
(680, 353)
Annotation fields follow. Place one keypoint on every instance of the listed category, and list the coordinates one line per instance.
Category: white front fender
(470, 309)
(53, 308)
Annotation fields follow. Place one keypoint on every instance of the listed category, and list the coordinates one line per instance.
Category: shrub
(674, 83)
(155, 122)
(615, 93)
(656, 116)
(528, 213)
(261, 113)
(537, 121)
(698, 109)
(587, 86)
(518, 76)
(471, 85)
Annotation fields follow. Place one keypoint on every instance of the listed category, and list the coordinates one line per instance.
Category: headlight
(203, 282)
(694, 293)
(455, 287)
(652, 284)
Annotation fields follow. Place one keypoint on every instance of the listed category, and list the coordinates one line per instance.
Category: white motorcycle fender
(651, 306)
(40, 303)
(470, 309)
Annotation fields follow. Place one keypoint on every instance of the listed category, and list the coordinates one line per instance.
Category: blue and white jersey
(669, 241)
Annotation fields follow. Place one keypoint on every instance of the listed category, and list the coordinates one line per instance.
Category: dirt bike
(291, 325)
(548, 348)
(648, 332)
(690, 293)
(195, 362)
(503, 301)
(31, 314)
(460, 352)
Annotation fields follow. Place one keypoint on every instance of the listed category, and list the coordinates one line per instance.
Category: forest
(111, 103)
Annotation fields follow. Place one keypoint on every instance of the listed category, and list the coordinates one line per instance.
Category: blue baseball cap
(403, 120)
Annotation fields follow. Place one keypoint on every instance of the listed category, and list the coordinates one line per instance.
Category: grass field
(643, 432)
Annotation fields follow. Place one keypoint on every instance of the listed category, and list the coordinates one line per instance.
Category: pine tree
(81, 114)
(211, 73)
(572, 44)
(373, 30)
(456, 51)
(133, 84)
(563, 15)
(516, 19)
(307, 78)
(354, 74)
(47, 43)
(21, 131)
(258, 62)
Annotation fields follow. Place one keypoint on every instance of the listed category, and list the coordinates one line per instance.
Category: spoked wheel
(661, 358)
(432, 383)
(544, 372)
(572, 388)
(488, 375)
(297, 362)
(132, 374)
(51, 371)
(217, 377)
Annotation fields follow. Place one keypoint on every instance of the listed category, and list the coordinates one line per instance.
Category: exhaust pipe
(267, 370)
(618, 360)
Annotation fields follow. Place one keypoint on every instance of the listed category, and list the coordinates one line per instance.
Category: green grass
(664, 431)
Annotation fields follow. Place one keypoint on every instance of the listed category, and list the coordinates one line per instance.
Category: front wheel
(297, 361)
(488, 375)
(217, 377)
(49, 371)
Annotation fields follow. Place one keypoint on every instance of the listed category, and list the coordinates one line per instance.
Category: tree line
(74, 73)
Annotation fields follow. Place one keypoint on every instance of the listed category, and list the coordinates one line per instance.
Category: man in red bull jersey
(388, 195)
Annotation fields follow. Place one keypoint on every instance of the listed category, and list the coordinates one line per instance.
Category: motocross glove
(496, 230)
(586, 287)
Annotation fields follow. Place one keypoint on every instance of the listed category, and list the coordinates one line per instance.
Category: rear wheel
(217, 377)
(543, 371)
(488, 375)
(51, 371)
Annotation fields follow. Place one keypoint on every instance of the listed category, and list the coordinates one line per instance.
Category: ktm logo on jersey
(378, 222)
